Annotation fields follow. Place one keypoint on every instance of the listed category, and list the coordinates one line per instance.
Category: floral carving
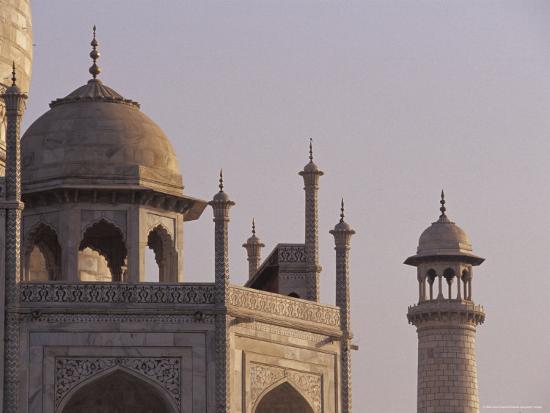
(69, 372)
(279, 305)
(263, 376)
(116, 293)
(292, 253)
(309, 385)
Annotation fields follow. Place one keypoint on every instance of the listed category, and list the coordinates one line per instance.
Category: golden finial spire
(342, 215)
(13, 77)
(253, 226)
(442, 202)
(94, 54)
(311, 149)
(221, 180)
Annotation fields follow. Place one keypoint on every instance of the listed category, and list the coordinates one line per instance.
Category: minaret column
(12, 207)
(221, 204)
(311, 175)
(342, 233)
(446, 328)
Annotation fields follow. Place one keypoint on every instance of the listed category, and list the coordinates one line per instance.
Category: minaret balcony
(442, 311)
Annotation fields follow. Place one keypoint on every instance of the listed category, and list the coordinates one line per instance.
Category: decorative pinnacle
(310, 149)
(13, 77)
(442, 202)
(94, 54)
(342, 215)
(253, 227)
(221, 180)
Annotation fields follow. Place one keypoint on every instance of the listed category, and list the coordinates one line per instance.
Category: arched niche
(162, 245)
(103, 239)
(42, 255)
(283, 398)
(117, 391)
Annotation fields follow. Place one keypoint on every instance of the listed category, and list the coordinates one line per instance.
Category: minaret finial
(94, 54)
(253, 226)
(442, 202)
(311, 149)
(342, 215)
(221, 180)
(13, 77)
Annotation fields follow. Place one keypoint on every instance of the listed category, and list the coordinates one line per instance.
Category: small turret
(253, 247)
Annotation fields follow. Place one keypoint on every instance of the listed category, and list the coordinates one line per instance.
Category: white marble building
(88, 189)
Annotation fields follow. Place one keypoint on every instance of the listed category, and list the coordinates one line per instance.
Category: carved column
(311, 175)
(15, 105)
(342, 233)
(221, 204)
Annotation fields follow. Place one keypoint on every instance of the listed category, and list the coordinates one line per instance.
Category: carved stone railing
(294, 312)
(440, 311)
(54, 293)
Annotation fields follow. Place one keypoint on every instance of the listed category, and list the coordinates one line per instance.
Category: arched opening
(294, 295)
(43, 255)
(102, 248)
(449, 275)
(431, 276)
(283, 399)
(161, 244)
(118, 392)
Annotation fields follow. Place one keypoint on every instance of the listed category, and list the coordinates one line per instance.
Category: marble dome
(444, 239)
(444, 236)
(96, 138)
(16, 41)
(16, 46)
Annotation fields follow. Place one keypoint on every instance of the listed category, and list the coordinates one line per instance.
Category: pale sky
(402, 99)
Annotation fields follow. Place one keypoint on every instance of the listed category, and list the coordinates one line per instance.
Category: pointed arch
(166, 257)
(42, 256)
(103, 391)
(282, 396)
(107, 240)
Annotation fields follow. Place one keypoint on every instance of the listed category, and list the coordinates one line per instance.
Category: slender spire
(442, 202)
(310, 149)
(342, 215)
(253, 227)
(13, 77)
(221, 180)
(94, 54)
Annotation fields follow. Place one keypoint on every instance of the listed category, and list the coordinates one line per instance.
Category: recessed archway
(162, 245)
(42, 255)
(117, 392)
(283, 398)
(106, 240)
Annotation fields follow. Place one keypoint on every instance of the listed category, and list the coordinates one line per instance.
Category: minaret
(12, 207)
(221, 204)
(253, 247)
(342, 233)
(311, 175)
(446, 319)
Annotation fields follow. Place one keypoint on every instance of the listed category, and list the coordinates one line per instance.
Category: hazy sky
(401, 98)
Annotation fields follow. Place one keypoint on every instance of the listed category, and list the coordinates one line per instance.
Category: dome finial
(221, 180)
(442, 202)
(94, 54)
(310, 149)
(253, 226)
(342, 215)
(13, 77)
